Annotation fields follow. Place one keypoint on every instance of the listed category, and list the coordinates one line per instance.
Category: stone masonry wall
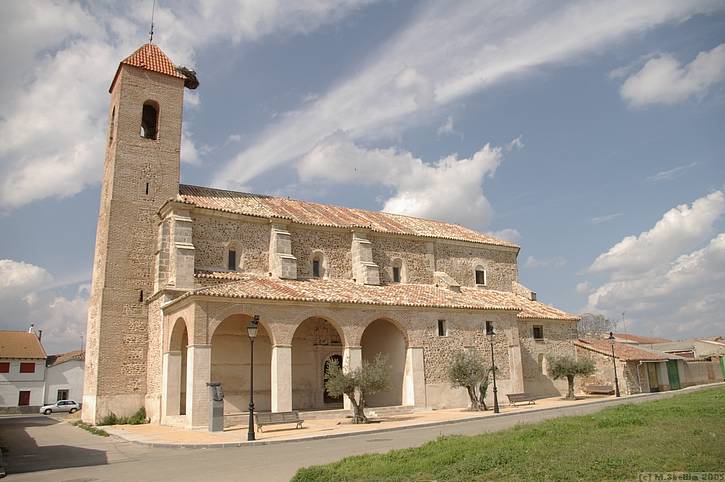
(416, 255)
(558, 341)
(460, 262)
(212, 233)
(333, 244)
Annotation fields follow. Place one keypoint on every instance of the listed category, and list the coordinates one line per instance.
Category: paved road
(41, 448)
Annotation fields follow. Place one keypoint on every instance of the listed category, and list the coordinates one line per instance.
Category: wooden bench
(599, 389)
(515, 398)
(277, 419)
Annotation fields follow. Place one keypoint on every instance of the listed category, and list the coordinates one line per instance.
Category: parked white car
(70, 406)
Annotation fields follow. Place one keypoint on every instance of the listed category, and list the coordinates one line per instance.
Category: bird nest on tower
(191, 81)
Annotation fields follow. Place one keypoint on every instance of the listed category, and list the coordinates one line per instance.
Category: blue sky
(590, 133)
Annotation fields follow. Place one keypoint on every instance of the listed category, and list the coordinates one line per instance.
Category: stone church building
(180, 270)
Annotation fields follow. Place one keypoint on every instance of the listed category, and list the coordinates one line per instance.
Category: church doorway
(315, 343)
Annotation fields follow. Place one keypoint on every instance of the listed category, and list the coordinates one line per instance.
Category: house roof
(20, 345)
(252, 286)
(644, 340)
(53, 360)
(304, 212)
(624, 351)
(149, 57)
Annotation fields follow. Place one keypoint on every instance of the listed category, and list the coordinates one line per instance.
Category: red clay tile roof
(21, 345)
(304, 212)
(149, 57)
(646, 340)
(625, 352)
(64, 357)
(245, 285)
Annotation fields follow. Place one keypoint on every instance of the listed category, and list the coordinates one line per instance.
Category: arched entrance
(316, 341)
(230, 359)
(382, 336)
(175, 360)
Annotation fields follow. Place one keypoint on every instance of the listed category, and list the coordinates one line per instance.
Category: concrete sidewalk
(163, 436)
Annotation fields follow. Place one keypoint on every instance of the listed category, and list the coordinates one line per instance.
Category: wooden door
(673, 374)
(24, 398)
(654, 384)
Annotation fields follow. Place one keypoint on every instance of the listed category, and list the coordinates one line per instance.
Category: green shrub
(91, 428)
(137, 418)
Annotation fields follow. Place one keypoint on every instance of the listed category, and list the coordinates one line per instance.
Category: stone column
(281, 378)
(171, 384)
(414, 379)
(198, 374)
(516, 369)
(351, 359)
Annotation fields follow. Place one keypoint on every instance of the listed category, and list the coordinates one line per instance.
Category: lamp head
(253, 327)
(611, 338)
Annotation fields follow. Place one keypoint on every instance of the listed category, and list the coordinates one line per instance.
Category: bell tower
(141, 172)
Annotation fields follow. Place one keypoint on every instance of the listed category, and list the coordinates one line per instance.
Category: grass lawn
(683, 433)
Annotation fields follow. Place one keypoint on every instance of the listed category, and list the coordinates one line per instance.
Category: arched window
(232, 256)
(480, 276)
(150, 120)
(319, 265)
(398, 271)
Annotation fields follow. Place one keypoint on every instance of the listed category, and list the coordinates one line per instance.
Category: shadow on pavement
(25, 455)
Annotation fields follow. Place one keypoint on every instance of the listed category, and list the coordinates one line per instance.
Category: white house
(64, 377)
(22, 371)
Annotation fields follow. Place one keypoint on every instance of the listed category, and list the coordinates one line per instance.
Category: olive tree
(569, 367)
(470, 371)
(368, 379)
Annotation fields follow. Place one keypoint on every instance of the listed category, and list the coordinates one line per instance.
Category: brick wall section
(127, 231)
(460, 261)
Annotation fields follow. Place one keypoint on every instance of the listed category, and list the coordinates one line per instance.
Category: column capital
(281, 345)
(352, 347)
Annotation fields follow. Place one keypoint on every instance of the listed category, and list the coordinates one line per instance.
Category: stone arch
(318, 257)
(314, 341)
(398, 265)
(400, 326)
(219, 317)
(176, 362)
(384, 335)
(178, 329)
(230, 363)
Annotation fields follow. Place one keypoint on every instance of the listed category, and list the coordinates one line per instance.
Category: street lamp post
(614, 363)
(491, 334)
(252, 333)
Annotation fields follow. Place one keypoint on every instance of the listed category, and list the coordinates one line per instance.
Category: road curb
(638, 398)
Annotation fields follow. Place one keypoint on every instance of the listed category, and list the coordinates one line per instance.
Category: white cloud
(606, 218)
(670, 174)
(447, 128)
(555, 262)
(675, 299)
(20, 278)
(64, 54)
(664, 80)
(509, 234)
(448, 51)
(449, 189)
(516, 143)
(681, 228)
(189, 153)
(584, 288)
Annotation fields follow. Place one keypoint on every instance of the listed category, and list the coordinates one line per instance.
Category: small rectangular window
(24, 398)
(538, 332)
(480, 277)
(27, 367)
(147, 189)
(442, 328)
(232, 260)
(316, 268)
(489, 328)
(4, 367)
(62, 395)
(396, 274)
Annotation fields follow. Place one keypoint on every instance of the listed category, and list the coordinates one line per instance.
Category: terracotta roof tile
(304, 212)
(246, 285)
(21, 345)
(647, 340)
(64, 357)
(149, 57)
(626, 352)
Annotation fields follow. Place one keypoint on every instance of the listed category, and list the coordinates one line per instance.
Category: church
(180, 270)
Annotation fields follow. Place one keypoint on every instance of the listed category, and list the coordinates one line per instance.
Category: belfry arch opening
(150, 120)
(316, 343)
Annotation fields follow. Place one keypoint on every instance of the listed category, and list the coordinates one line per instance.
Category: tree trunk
(358, 409)
(474, 398)
(570, 394)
